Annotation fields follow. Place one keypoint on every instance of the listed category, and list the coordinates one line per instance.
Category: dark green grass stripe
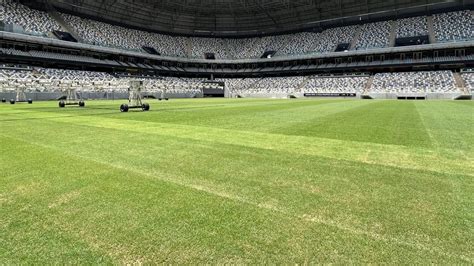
(261, 118)
(449, 126)
(380, 122)
(469, 104)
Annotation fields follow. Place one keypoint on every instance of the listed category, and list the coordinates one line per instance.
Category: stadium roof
(244, 17)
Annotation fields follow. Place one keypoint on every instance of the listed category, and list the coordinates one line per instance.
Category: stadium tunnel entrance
(213, 89)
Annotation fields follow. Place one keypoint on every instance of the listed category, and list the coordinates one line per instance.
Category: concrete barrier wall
(429, 96)
(265, 95)
(179, 95)
(35, 96)
(442, 96)
(292, 95)
(50, 96)
(383, 96)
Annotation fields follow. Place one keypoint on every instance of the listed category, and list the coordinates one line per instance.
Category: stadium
(236, 132)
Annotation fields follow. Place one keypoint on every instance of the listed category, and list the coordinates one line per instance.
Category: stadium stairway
(368, 86)
(56, 16)
(51, 35)
(460, 83)
(356, 37)
(431, 30)
(189, 47)
(227, 50)
(288, 42)
(393, 33)
(302, 84)
(258, 43)
(251, 86)
(248, 50)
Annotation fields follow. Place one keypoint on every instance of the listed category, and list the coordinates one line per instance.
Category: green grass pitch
(238, 181)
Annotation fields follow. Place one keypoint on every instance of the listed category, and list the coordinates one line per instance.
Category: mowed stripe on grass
(232, 195)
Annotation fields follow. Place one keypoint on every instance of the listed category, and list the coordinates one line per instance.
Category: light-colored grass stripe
(370, 153)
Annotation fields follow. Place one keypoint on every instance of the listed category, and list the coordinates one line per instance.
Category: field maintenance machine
(135, 97)
(19, 84)
(21, 96)
(69, 87)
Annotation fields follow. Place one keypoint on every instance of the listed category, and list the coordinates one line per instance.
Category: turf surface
(238, 181)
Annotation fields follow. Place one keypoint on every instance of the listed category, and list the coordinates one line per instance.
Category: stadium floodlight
(135, 97)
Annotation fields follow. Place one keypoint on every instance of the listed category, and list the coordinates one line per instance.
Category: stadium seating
(9, 51)
(374, 35)
(33, 21)
(170, 85)
(330, 38)
(336, 84)
(414, 82)
(54, 80)
(411, 27)
(185, 87)
(74, 58)
(244, 48)
(57, 80)
(448, 27)
(454, 26)
(280, 85)
(238, 86)
(12, 79)
(299, 43)
(103, 34)
(208, 45)
(469, 80)
(264, 86)
(84, 80)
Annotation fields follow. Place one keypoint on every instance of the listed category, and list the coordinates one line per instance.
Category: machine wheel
(82, 104)
(159, 99)
(4, 100)
(124, 108)
(146, 107)
(30, 101)
(167, 99)
(62, 104)
(12, 101)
